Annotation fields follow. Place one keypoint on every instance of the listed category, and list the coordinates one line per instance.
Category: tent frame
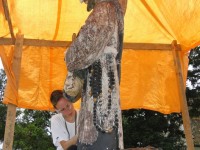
(50, 43)
(19, 42)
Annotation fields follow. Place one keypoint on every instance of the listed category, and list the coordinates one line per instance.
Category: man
(63, 124)
(93, 61)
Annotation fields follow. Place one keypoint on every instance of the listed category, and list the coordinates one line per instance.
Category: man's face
(65, 107)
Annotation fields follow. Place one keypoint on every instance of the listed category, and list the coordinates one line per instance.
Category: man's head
(61, 104)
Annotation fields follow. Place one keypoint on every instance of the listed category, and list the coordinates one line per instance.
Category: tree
(193, 91)
(32, 131)
(3, 108)
(144, 128)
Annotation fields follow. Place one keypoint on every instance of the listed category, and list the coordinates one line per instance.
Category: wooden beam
(46, 43)
(6, 41)
(49, 43)
(7, 15)
(183, 99)
(11, 109)
(148, 46)
(37, 42)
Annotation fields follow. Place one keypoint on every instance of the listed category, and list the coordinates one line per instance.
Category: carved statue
(93, 61)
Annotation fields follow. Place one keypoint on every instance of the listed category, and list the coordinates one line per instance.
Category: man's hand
(67, 144)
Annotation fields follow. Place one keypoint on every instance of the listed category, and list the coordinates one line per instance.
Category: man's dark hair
(55, 96)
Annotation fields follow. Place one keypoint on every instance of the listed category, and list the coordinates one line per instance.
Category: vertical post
(183, 101)
(11, 109)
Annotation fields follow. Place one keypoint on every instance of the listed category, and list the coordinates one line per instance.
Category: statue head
(85, 1)
(90, 4)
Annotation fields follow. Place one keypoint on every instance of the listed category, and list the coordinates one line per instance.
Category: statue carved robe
(93, 61)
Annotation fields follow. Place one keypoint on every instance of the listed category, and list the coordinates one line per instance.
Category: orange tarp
(148, 76)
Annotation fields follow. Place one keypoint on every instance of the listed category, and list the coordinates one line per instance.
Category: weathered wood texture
(183, 99)
(11, 109)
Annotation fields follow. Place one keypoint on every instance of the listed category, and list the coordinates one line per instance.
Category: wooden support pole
(7, 15)
(183, 101)
(10, 125)
(11, 109)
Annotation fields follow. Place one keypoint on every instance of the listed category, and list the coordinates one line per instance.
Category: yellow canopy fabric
(148, 76)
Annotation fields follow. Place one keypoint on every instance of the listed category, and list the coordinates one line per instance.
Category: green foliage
(2, 106)
(32, 131)
(193, 92)
(148, 128)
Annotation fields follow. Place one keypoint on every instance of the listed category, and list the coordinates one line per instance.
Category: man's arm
(66, 144)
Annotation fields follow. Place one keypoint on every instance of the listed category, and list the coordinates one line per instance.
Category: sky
(1, 65)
